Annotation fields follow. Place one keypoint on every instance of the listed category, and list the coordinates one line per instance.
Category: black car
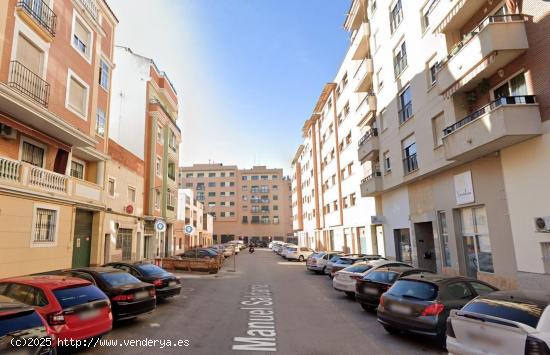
(421, 303)
(369, 288)
(129, 296)
(21, 324)
(200, 253)
(166, 284)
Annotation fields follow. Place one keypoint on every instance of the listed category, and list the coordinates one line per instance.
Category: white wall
(395, 206)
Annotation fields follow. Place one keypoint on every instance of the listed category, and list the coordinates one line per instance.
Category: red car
(74, 308)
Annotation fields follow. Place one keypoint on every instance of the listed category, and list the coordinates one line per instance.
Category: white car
(501, 322)
(232, 248)
(299, 253)
(345, 280)
(317, 262)
(285, 249)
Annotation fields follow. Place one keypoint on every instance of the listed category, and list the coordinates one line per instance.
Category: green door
(82, 238)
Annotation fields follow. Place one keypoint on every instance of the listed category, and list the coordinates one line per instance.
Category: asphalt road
(310, 317)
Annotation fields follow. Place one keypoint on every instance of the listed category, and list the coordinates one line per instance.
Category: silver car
(318, 262)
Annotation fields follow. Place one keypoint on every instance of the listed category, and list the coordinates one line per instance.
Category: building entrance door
(403, 248)
(124, 237)
(425, 246)
(82, 242)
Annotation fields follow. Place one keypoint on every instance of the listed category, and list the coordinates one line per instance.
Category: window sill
(387, 172)
(80, 115)
(431, 87)
(398, 76)
(43, 244)
(407, 173)
(401, 124)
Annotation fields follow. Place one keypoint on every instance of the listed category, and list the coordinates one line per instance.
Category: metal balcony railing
(506, 100)
(91, 7)
(41, 13)
(28, 83)
(372, 175)
(371, 133)
(405, 113)
(410, 164)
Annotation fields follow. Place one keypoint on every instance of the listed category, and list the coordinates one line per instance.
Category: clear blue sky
(248, 72)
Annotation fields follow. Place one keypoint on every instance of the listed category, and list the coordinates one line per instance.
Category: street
(309, 316)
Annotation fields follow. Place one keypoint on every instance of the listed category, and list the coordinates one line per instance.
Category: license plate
(89, 314)
(141, 295)
(370, 290)
(172, 283)
(397, 308)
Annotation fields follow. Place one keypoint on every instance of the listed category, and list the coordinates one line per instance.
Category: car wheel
(301, 258)
(391, 330)
(350, 294)
(367, 308)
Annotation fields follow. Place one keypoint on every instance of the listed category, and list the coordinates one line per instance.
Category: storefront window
(477, 245)
(444, 238)
(403, 245)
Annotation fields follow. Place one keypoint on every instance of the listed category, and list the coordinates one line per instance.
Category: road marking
(261, 334)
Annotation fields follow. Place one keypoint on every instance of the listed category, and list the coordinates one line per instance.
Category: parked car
(197, 253)
(317, 262)
(346, 261)
(226, 252)
(21, 322)
(502, 322)
(166, 284)
(345, 280)
(370, 287)
(73, 308)
(331, 261)
(286, 249)
(129, 296)
(421, 303)
(299, 253)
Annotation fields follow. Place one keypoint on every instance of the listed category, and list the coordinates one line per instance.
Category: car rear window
(13, 322)
(334, 258)
(74, 296)
(424, 291)
(151, 270)
(387, 277)
(292, 249)
(346, 261)
(358, 268)
(522, 312)
(115, 279)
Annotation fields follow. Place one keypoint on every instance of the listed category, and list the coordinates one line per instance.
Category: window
(255, 177)
(100, 122)
(172, 170)
(232, 175)
(400, 59)
(433, 69)
(211, 194)
(44, 226)
(103, 74)
(379, 79)
(456, 291)
(159, 166)
(345, 80)
(265, 219)
(172, 141)
(245, 188)
(438, 124)
(265, 177)
(29, 55)
(200, 175)
(372, 6)
(481, 289)
(382, 120)
(396, 16)
(211, 184)
(211, 204)
(77, 169)
(387, 162)
(160, 135)
(245, 219)
(276, 220)
(410, 162)
(189, 175)
(444, 238)
(131, 194)
(111, 187)
(82, 38)
(255, 220)
(513, 87)
(77, 97)
(375, 43)
(405, 103)
(211, 175)
(32, 154)
(244, 177)
(275, 208)
(157, 199)
(477, 244)
(352, 200)
(189, 185)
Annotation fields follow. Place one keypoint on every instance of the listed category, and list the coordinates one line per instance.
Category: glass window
(131, 194)
(111, 187)
(457, 291)
(425, 291)
(100, 122)
(115, 279)
(358, 268)
(481, 289)
(32, 154)
(405, 103)
(403, 244)
(45, 225)
(151, 270)
(77, 170)
(444, 238)
(382, 276)
(438, 125)
(81, 38)
(24, 320)
(396, 15)
(103, 74)
(477, 244)
(78, 96)
(515, 310)
(74, 296)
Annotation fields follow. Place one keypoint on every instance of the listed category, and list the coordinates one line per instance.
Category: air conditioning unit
(542, 224)
(7, 132)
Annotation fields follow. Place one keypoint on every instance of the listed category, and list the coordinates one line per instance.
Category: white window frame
(104, 122)
(87, 56)
(72, 74)
(103, 61)
(35, 207)
(130, 187)
(158, 166)
(160, 134)
(79, 161)
(21, 28)
(33, 142)
(157, 199)
(114, 186)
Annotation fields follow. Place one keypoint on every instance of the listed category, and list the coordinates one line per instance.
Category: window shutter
(77, 96)
(29, 55)
(82, 33)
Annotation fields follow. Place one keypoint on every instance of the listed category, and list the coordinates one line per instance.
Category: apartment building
(145, 104)
(191, 215)
(246, 204)
(122, 226)
(461, 99)
(56, 59)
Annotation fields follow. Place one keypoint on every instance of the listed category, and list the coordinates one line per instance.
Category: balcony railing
(41, 13)
(405, 113)
(10, 170)
(507, 100)
(410, 164)
(371, 133)
(91, 7)
(470, 35)
(47, 180)
(372, 175)
(28, 83)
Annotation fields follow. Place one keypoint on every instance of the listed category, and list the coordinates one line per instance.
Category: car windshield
(13, 322)
(334, 258)
(346, 261)
(292, 249)
(518, 311)
(414, 289)
(387, 277)
(151, 270)
(358, 268)
(74, 296)
(115, 279)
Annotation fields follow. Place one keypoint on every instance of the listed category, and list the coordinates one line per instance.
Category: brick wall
(123, 156)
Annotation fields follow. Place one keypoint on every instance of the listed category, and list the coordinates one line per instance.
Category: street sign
(188, 229)
(160, 225)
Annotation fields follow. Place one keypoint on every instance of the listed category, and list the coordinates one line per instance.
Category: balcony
(372, 185)
(91, 8)
(38, 15)
(20, 175)
(502, 123)
(495, 42)
(453, 15)
(28, 83)
(363, 76)
(369, 146)
(366, 109)
(360, 42)
(355, 15)
(410, 164)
